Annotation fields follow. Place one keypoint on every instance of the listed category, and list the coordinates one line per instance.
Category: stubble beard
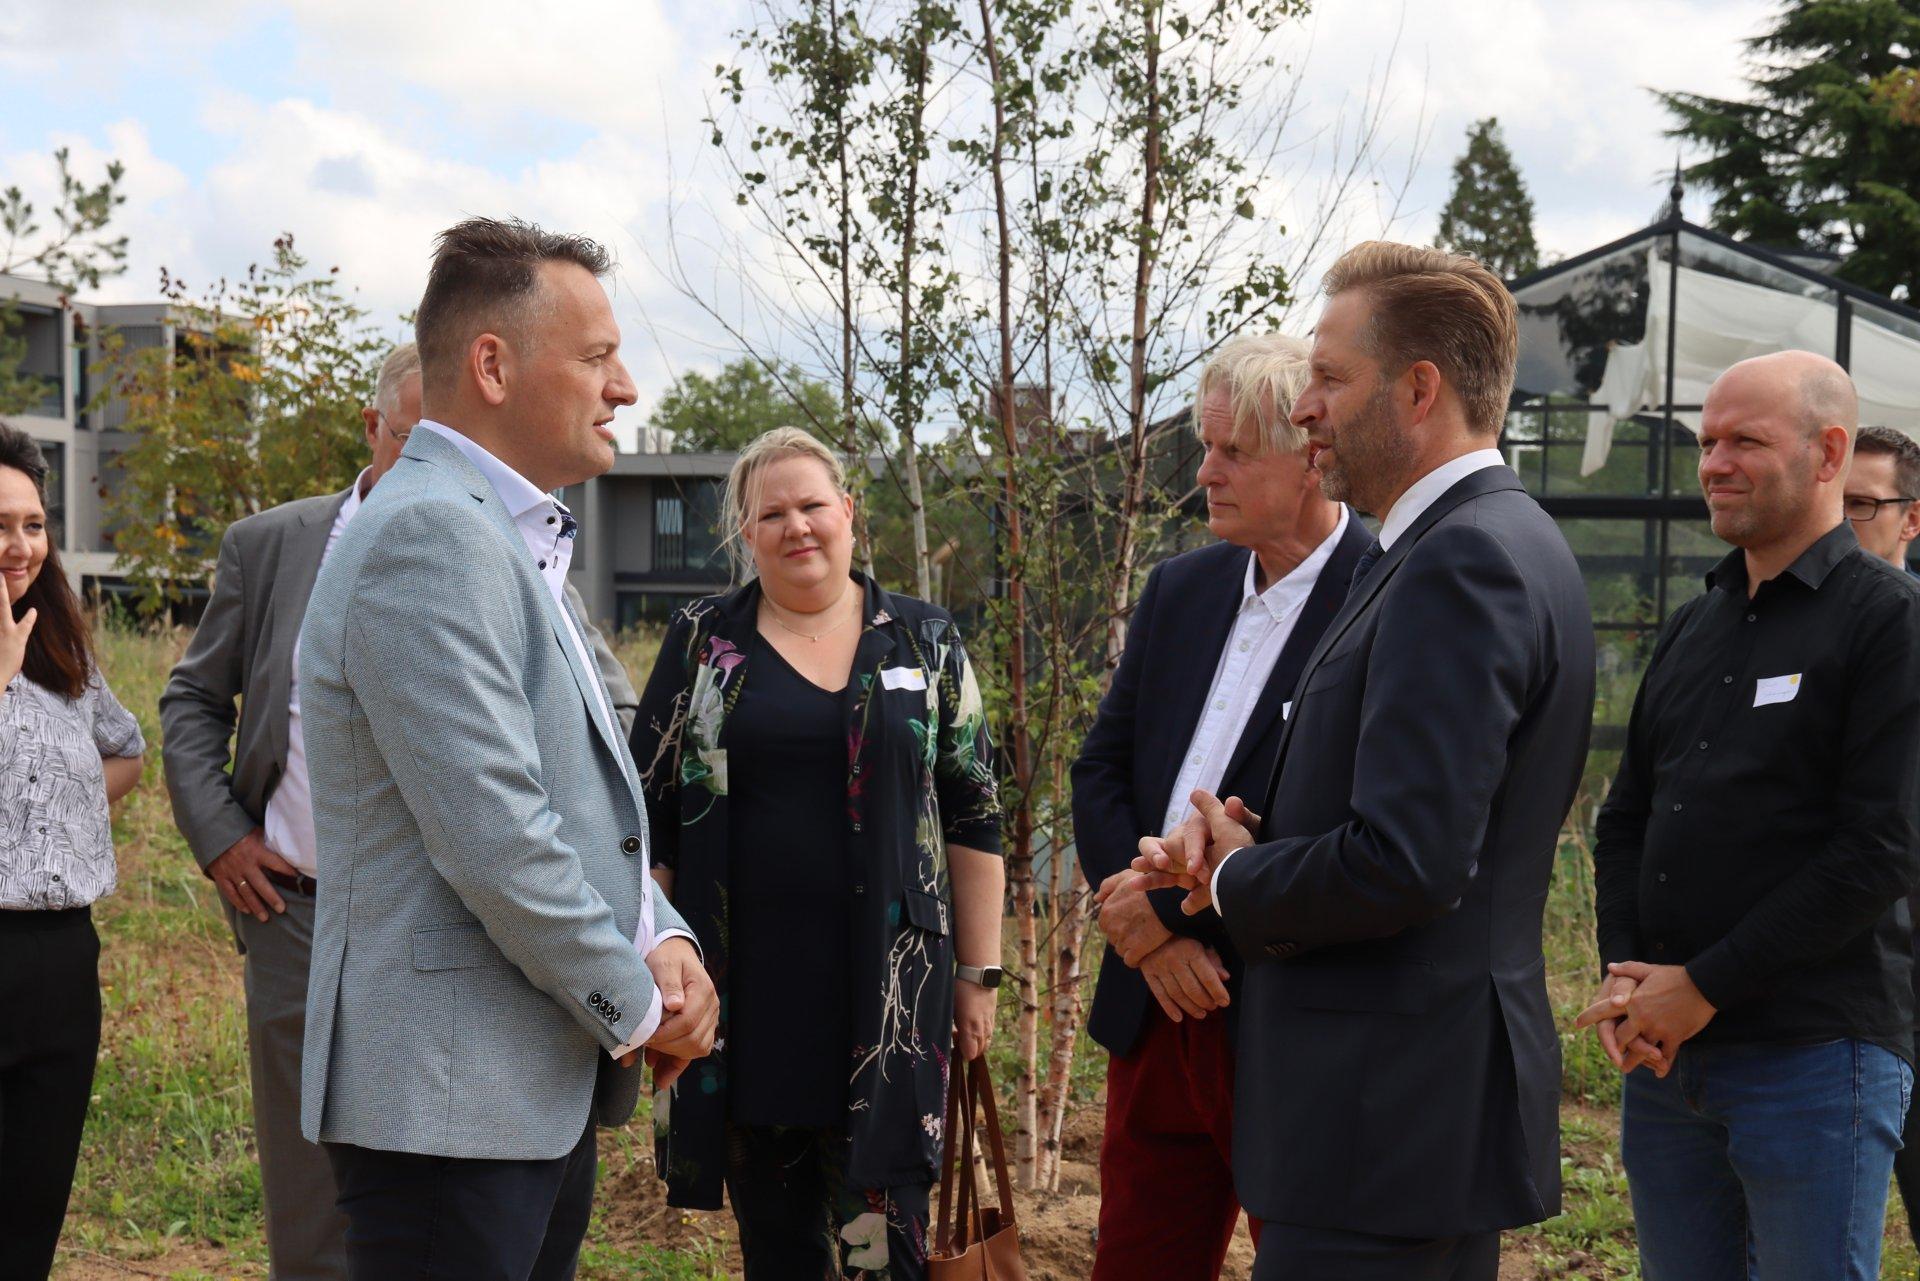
(1371, 458)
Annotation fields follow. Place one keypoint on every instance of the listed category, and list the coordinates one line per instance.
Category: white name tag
(916, 678)
(1776, 689)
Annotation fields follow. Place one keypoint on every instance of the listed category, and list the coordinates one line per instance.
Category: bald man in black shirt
(1750, 856)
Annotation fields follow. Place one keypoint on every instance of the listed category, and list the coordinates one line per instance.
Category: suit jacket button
(631, 845)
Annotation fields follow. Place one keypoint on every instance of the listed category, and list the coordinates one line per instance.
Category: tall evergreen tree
(1825, 152)
(1490, 214)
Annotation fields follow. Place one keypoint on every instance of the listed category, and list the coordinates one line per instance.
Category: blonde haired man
(1216, 642)
(1397, 1081)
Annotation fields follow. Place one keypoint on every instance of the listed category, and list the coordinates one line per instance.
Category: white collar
(519, 494)
(354, 498)
(1291, 589)
(1423, 492)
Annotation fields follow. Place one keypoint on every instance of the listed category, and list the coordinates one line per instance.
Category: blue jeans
(1764, 1162)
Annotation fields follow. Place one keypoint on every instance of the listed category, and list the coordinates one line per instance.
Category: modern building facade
(82, 445)
(648, 539)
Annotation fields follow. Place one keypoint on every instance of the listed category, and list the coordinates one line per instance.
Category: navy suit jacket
(1397, 1064)
(1123, 780)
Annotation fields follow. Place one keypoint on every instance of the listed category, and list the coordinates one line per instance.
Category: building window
(686, 538)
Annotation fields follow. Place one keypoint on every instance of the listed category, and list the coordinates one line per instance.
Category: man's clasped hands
(1643, 1014)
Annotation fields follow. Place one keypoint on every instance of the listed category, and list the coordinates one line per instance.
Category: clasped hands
(1188, 857)
(1644, 1013)
(1186, 976)
(690, 1012)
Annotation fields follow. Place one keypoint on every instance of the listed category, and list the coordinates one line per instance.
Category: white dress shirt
(540, 520)
(1261, 630)
(289, 825)
(1412, 505)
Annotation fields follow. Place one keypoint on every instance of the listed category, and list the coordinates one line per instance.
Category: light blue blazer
(481, 839)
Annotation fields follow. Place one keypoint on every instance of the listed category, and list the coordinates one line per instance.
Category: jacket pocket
(454, 947)
(926, 911)
(1332, 670)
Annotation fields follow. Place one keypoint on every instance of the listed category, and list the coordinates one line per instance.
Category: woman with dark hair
(67, 749)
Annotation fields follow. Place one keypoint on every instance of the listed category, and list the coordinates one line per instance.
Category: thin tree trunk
(909, 411)
(850, 442)
(1020, 859)
(1133, 490)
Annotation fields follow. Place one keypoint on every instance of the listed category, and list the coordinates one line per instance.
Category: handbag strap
(983, 1086)
(944, 1225)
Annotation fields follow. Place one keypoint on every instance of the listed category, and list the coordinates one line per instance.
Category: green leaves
(258, 402)
(1489, 213)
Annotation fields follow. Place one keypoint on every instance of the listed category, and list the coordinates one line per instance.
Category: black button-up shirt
(1762, 828)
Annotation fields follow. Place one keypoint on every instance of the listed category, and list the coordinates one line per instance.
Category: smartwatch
(987, 976)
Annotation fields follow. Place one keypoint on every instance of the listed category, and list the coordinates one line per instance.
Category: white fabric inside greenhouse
(1723, 321)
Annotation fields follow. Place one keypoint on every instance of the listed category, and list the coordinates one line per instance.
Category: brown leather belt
(296, 884)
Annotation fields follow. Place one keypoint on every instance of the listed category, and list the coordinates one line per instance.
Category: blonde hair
(1262, 375)
(1442, 307)
(402, 362)
(762, 451)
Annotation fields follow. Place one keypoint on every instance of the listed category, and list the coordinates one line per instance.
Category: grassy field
(168, 1188)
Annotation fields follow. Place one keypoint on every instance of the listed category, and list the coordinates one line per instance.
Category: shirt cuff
(1213, 888)
(644, 1033)
(679, 934)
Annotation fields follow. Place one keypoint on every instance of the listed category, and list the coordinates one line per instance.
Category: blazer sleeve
(197, 717)
(654, 739)
(1106, 823)
(454, 725)
(1453, 658)
(613, 673)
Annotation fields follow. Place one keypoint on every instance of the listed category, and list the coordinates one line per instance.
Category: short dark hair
(1904, 451)
(485, 278)
(60, 649)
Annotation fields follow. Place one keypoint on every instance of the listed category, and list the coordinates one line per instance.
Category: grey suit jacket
(244, 646)
(482, 839)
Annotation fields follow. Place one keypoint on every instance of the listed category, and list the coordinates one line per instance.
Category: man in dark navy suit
(1215, 646)
(1398, 1065)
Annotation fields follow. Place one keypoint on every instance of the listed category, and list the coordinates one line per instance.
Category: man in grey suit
(490, 951)
(246, 813)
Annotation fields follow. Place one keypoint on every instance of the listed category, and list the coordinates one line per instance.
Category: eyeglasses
(1862, 511)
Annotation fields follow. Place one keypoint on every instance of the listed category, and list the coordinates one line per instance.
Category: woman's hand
(972, 1018)
(13, 639)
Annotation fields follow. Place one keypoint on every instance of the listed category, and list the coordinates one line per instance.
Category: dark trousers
(1167, 1207)
(800, 1221)
(438, 1218)
(1289, 1253)
(49, 1038)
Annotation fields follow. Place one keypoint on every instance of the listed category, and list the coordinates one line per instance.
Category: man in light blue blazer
(490, 954)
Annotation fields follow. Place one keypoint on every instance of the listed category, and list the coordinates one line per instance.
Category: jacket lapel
(1211, 619)
(1485, 481)
(303, 547)
(1322, 603)
(431, 448)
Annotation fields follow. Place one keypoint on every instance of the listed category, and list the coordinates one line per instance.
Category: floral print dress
(919, 776)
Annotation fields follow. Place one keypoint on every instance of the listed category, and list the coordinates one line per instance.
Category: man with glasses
(1881, 491)
(248, 817)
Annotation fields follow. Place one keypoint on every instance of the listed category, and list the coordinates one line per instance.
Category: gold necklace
(774, 611)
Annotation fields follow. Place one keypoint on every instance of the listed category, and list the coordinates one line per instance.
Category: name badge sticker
(1776, 689)
(916, 678)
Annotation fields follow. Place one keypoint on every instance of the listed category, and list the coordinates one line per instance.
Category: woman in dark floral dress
(821, 795)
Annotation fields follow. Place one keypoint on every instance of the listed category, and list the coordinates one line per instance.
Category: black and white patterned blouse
(56, 844)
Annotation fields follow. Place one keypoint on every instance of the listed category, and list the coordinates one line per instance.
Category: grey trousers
(306, 1233)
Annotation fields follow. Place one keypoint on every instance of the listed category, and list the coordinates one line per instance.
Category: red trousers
(1167, 1207)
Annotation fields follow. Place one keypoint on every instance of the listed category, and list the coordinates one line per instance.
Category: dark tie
(1364, 566)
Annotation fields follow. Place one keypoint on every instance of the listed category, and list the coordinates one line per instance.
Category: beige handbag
(972, 1243)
